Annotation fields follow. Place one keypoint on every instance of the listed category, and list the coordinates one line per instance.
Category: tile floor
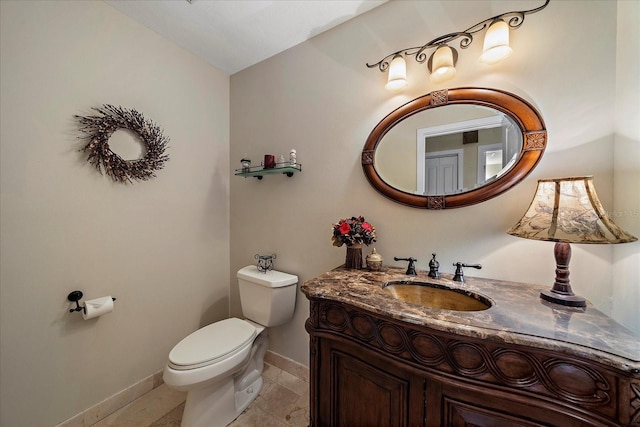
(282, 402)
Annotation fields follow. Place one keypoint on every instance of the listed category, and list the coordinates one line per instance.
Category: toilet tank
(267, 298)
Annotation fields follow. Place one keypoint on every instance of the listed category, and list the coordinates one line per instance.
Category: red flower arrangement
(353, 231)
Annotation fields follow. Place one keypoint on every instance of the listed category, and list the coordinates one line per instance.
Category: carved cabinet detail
(372, 370)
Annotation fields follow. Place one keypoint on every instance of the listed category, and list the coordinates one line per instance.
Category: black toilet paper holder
(75, 296)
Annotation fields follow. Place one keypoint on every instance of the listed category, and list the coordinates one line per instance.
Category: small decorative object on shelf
(293, 157)
(246, 164)
(269, 161)
(374, 261)
(265, 262)
(353, 232)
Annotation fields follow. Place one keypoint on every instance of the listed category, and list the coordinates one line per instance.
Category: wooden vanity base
(372, 370)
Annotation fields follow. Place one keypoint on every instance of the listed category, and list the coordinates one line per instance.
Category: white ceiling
(232, 35)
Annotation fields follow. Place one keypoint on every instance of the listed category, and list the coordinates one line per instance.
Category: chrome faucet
(411, 269)
(459, 274)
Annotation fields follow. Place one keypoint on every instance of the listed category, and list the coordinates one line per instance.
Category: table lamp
(565, 211)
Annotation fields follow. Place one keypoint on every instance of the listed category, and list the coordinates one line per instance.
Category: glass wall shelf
(259, 171)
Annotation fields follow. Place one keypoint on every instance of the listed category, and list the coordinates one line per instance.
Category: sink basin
(437, 296)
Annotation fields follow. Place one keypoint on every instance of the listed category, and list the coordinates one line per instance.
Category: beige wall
(626, 207)
(321, 99)
(161, 247)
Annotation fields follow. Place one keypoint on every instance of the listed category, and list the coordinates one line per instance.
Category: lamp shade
(442, 64)
(397, 73)
(568, 210)
(496, 43)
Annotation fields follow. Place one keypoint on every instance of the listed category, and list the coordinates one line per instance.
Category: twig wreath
(98, 129)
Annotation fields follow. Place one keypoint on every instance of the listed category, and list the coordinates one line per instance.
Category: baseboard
(286, 364)
(111, 404)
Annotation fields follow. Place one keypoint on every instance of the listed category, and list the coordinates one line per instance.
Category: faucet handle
(411, 269)
(434, 265)
(459, 274)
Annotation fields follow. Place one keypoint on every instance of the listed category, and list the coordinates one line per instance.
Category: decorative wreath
(97, 131)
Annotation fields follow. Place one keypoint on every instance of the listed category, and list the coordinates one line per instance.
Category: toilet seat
(211, 344)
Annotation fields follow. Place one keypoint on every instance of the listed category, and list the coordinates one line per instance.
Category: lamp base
(566, 300)
(561, 293)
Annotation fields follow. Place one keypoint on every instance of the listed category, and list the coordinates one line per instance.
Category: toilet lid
(211, 343)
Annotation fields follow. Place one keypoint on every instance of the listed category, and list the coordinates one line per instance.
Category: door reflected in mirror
(449, 150)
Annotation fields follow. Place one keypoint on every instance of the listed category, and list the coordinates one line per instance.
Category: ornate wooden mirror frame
(534, 142)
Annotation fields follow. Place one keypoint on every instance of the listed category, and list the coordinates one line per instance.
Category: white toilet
(220, 365)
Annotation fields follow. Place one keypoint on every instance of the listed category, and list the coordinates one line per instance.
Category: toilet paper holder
(76, 296)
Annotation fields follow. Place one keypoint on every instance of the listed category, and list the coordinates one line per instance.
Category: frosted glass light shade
(397, 73)
(442, 64)
(496, 43)
(568, 210)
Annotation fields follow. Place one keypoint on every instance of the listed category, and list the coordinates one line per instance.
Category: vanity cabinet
(369, 369)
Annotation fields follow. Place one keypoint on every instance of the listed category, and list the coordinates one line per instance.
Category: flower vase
(354, 257)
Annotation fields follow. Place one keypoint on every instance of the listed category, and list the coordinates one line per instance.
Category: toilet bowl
(220, 365)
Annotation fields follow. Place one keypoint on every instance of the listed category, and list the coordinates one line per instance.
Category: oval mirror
(454, 148)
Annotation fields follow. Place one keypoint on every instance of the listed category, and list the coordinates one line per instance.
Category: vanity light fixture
(566, 211)
(441, 63)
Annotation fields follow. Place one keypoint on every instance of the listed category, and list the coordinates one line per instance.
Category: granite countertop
(517, 314)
